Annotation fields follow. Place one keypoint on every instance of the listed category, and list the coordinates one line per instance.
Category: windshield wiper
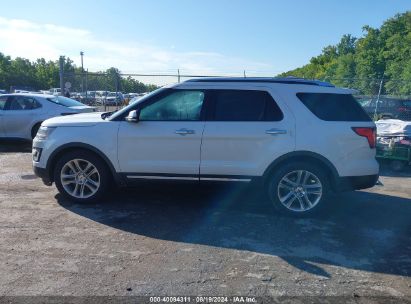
(106, 114)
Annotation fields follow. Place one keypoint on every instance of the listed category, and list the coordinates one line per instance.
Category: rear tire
(298, 189)
(81, 176)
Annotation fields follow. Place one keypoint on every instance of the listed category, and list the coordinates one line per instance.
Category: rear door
(3, 100)
(20, 116)
(245, 130)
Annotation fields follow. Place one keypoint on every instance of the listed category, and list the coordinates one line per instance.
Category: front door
(165, 142)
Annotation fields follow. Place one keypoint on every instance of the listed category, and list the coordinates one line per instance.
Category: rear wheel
(81, 176)
(298, 189)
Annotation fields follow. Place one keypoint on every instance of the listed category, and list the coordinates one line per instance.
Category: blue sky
(214, 37)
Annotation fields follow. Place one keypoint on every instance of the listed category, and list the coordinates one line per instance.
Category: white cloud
(34, 40)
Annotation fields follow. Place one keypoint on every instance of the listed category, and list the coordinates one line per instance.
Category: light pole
(82, 71)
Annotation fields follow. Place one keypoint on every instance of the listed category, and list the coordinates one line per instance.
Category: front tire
(81, 176)
(298, 189)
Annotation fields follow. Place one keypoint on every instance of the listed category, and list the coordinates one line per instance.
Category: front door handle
(184, 131)
(275, 132)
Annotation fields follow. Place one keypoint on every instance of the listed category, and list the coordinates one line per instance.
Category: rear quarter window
(334, 107)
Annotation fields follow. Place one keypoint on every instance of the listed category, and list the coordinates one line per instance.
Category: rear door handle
(275, 131)
(184, 131)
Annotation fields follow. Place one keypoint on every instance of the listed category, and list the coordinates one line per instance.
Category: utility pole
(87, 84)
(82, 71)
(61, 73)
(378, 96)
(178, 75)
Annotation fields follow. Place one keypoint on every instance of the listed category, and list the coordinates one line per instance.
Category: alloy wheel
(300, 190)
(80, 178)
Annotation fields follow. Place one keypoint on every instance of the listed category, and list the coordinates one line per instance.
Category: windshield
(131, 105)
(64, 101)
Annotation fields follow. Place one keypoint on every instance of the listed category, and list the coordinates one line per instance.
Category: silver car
(22, 114)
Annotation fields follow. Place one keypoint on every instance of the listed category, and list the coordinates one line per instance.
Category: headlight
(44, 132)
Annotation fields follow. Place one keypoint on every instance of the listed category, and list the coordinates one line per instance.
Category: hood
(76, 120)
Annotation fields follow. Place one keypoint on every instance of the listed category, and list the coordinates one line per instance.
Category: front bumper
(349, 183)
(43, 174)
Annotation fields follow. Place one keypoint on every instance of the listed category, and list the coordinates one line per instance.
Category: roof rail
(283, 80)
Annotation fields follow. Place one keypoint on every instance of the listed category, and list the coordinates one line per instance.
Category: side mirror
(133, 116)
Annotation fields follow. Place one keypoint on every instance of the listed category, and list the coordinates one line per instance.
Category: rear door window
(64, 101)
(244, 105)
(334, 107)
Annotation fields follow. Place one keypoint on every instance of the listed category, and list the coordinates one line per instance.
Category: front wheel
(81, 176)
(298, 189)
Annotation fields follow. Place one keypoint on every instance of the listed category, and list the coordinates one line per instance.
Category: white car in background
(55, 91)
(22, 114)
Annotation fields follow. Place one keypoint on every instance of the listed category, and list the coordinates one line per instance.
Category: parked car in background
(22, 114)
(3, 92)
(88, 98)
(55, 91)
(389, 108)
(116, 97)
(301, 139)
(100, 96)
(112, 99)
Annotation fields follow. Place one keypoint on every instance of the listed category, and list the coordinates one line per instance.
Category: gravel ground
(185, 240)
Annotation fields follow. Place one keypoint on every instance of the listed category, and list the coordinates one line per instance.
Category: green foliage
(43, 75)
(361, 63)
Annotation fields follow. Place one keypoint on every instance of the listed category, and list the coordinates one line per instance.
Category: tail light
(369, 133)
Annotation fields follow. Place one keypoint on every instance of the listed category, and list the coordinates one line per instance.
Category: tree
(361, 63)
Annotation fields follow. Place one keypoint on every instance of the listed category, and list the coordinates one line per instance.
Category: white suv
(301, 138)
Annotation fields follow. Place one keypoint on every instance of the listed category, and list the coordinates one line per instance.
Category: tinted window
(3, 100)
(64, 101)
(244, 105)
(23, 103)
(407, 103)
(179, 105)
(334, 107)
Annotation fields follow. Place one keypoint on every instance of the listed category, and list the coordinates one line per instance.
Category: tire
(35, 129)
(84, 170)
(291, 197)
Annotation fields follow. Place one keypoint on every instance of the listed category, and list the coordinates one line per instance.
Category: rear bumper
(349, 183)
(43, 174)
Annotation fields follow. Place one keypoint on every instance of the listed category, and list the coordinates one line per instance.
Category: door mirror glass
(133, 116)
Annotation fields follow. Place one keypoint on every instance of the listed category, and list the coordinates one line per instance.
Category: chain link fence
(111, 91)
